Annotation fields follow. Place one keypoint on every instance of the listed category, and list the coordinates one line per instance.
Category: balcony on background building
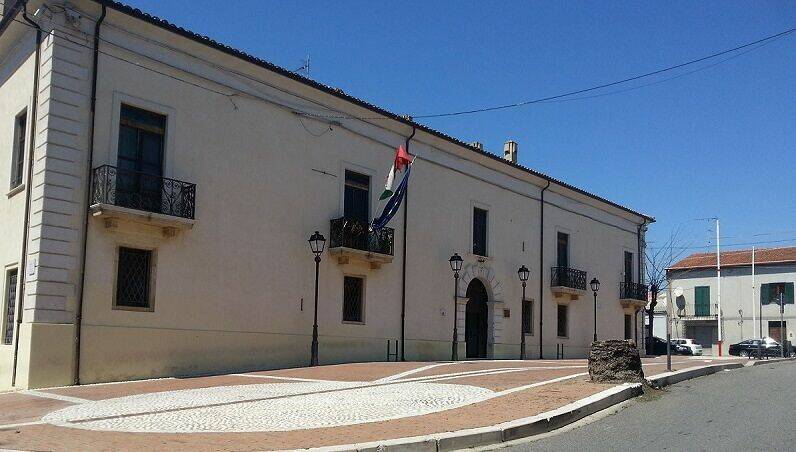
(119, 195)
(568, 281)
(353, 241)
(696, 316)
(633, 295)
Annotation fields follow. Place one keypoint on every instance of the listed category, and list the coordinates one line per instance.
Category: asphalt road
(747, 409)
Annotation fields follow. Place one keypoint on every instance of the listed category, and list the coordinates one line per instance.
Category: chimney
(478, 145)
(510, 151)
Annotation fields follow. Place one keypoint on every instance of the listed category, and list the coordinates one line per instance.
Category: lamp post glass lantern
(456, 265)
(595, 286)
(523, 274)
(317, 242)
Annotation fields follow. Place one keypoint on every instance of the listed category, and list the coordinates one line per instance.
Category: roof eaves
(157, 21)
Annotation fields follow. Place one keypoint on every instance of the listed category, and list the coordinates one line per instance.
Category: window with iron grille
(353, 299)
(527, 317)
(563, 320)
(18, 152)
(479, 231)
(11, 303)
(133, 279)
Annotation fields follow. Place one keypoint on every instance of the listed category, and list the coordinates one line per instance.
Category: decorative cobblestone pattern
(266, 407)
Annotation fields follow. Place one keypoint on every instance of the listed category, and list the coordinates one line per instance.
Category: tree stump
(615, 361)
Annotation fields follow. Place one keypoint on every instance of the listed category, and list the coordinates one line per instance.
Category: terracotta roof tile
(738, 258)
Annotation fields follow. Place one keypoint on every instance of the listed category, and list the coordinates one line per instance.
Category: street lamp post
(317, 243)
(523, 273)
(595, 286)
(456, 266)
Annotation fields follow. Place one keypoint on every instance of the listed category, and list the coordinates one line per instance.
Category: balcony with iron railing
(633, 295)
(696, 312)
(571, 281)
(119, 194)
(353, 240)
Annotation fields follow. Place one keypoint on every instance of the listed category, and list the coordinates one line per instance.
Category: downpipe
(541, 269)
(90, 159)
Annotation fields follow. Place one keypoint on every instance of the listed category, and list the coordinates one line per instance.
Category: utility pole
(754, 303)
(669, 324)
(718, 282)
(782, 323)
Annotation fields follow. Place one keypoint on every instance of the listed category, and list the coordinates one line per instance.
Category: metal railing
(356, 234)
(141, 191)
(633, 291)
(568, 277)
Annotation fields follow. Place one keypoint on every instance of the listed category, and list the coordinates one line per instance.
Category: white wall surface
(236, 290)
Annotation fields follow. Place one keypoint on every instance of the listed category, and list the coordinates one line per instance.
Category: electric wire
(754, 45)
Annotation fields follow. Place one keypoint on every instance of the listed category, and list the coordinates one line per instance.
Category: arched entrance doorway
(475, 323)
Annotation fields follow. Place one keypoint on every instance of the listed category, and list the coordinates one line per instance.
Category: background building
(158, 222)
(749, 298)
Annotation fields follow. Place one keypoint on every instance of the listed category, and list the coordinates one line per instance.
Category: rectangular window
(133, 278)
(702, 300)
(353, 297)
(356, 202)
(527, 317)
(772, 293)
(628, 326)
(479, 231)
(628, 267)
(18, 151)
(139, 182)
(563, 250)
(11, 303)
(563, 321)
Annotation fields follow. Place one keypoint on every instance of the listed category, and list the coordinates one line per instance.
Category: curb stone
(761, 362)
(534, 425)
(670, 378)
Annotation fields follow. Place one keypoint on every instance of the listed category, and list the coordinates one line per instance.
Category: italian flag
(402, 160)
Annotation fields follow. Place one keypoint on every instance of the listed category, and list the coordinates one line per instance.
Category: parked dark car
(659, 346)
(755, 347)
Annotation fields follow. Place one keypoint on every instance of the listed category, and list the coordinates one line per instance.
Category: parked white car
(688, 345)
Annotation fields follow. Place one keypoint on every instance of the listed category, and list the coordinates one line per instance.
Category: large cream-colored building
(162, 189)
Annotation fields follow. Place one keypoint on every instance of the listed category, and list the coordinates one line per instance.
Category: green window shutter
(789, 293)
(702, 300)
(765, 297)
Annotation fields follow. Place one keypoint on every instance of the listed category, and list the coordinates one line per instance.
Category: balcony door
(356, 205)
(139, 178)
(628, 267)
(702, 301)
(562, 250)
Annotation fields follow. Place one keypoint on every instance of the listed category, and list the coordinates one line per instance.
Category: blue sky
(719, 142)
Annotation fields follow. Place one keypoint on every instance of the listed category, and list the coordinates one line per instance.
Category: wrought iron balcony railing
(141, 191)
(568, 277)
(633, 291)
(356, 234)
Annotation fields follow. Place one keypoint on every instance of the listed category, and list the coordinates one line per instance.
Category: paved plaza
(297, 408)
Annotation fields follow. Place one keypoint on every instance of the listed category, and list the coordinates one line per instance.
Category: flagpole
(403, 270)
